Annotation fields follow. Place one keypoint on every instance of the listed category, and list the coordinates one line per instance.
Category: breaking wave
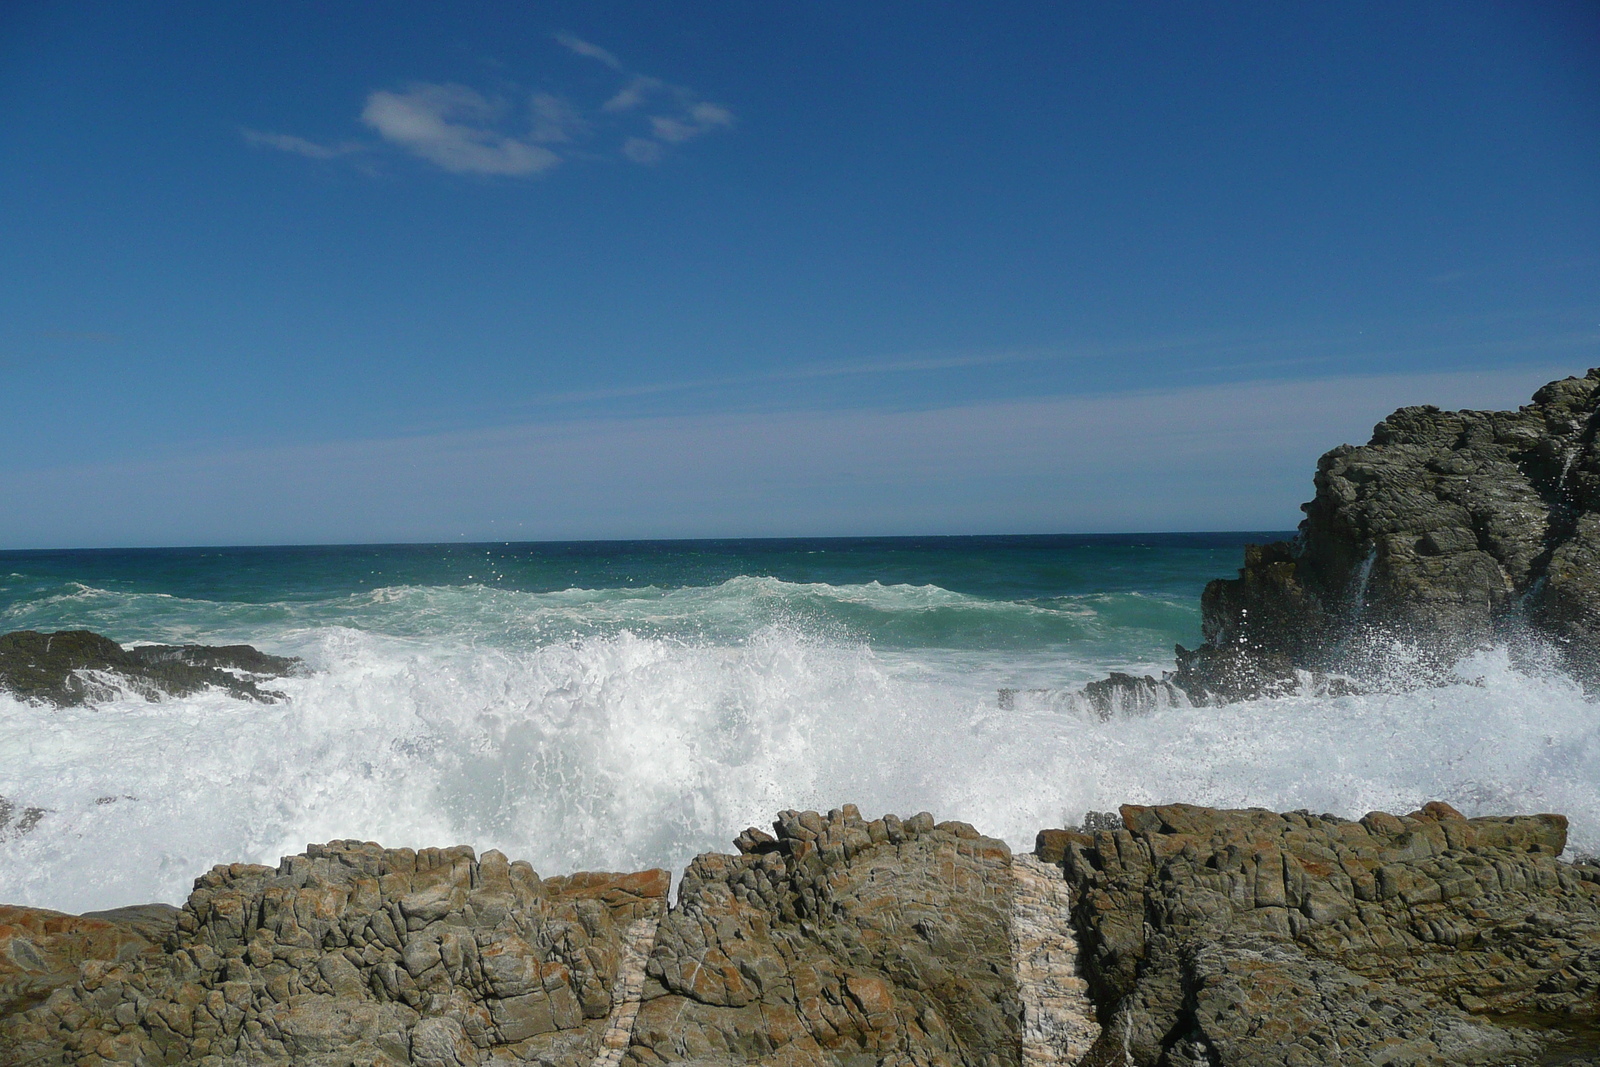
(622, 728)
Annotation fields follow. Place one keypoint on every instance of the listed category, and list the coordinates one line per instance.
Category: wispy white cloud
(592, 51)
(673, 113)
(643, 150)
(555, 120)
(633, 94)
(285, 142)
(461, 130)
(451, 126)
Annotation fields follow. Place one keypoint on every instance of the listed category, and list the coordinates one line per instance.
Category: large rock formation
(75, 667)
(1262, 940)
(1233, 939)
(1447, 530)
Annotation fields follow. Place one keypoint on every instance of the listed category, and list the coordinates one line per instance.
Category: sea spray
(620, 750)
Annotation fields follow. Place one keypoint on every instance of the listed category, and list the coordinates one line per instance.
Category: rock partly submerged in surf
(1231, 938)
(1447, 531)
(76, 667)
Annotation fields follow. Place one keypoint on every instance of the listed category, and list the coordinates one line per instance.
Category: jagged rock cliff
(1447, 530)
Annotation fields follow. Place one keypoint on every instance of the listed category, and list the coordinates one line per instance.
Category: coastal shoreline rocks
(1447, 531)
(1162, 936)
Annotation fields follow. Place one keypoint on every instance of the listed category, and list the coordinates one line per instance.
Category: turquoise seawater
(628, 704)
(1126, 598)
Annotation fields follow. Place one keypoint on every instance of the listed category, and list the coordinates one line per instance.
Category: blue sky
(317, 272)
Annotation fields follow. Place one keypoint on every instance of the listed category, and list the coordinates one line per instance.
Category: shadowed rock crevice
(76, 667)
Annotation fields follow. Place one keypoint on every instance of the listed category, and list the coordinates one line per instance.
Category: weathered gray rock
(1231, 939)
(1249, 939)
(1447, 529)
(75, 667)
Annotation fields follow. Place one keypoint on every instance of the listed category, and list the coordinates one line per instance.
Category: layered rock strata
(1253, 939)
(76, 667)
(1058, 1020)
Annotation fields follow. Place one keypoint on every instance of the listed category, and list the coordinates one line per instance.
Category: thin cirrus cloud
(284, 142)
(451, 126)
(462, 131)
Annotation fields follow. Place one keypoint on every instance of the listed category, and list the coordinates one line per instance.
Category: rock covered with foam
(76, 667)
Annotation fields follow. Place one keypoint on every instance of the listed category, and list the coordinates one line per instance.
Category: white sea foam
(619, 750)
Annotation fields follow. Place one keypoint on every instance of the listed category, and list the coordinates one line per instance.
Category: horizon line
(656, 541)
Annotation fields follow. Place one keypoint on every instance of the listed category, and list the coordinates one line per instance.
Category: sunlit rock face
(839, 941)
(1255, 938)
(352, 953)
(1161, 936)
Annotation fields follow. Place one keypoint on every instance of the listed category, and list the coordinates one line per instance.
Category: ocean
(621, 705)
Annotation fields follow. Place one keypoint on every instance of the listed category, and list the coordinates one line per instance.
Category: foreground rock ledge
(1217, 937)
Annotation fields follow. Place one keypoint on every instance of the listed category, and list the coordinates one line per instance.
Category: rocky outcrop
(1448, 530)
(1253, 939)
(41, 950)
(75, 667)
(1164, 936)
